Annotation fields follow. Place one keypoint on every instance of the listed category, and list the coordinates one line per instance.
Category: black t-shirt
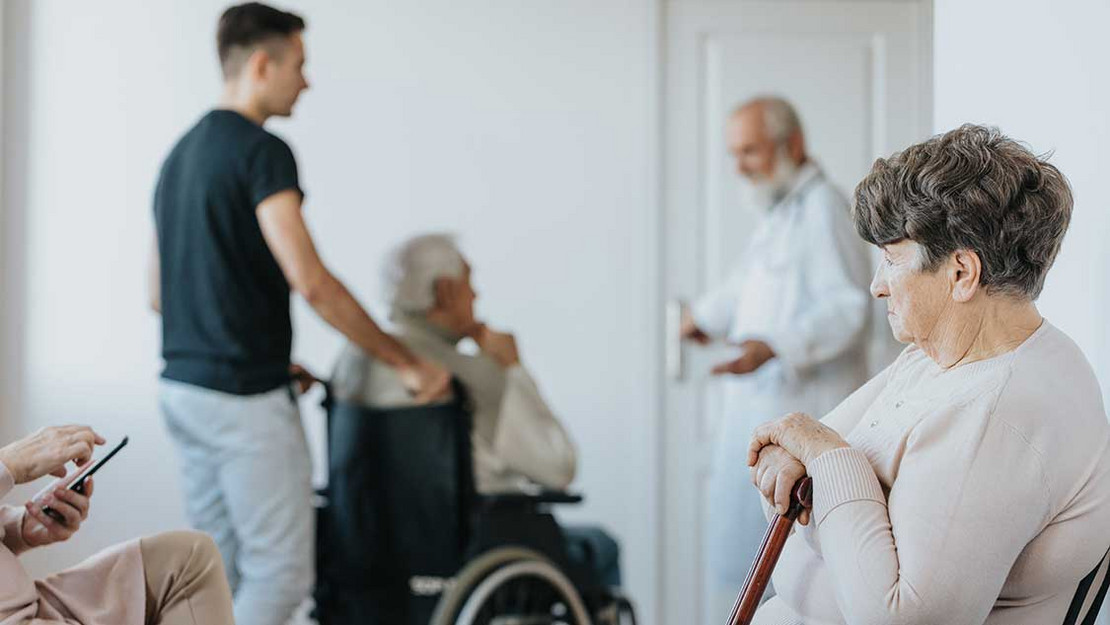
(225, 301)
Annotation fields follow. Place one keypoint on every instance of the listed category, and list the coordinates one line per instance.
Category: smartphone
(76, 481)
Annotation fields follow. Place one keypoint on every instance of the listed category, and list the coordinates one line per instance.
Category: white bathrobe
(801, 286)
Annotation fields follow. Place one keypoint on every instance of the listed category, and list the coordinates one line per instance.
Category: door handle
(673, 349)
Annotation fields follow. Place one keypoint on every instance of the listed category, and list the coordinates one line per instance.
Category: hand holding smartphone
(75, 481)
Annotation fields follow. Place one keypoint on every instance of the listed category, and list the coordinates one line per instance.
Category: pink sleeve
(7, 482)
(904, 557)
(11, 518)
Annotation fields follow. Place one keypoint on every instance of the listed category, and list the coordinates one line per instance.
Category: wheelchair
(403, 538)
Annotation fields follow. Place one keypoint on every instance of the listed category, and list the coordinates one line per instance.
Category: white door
(858, 73)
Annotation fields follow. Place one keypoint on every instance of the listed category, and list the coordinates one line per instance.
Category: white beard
(757, 196)
(764, 194)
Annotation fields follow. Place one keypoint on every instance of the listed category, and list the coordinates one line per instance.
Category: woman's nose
(879, 286)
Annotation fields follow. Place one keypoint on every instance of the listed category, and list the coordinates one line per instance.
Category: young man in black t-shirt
(231, 244)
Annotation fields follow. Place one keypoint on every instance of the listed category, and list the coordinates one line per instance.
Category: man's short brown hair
(244, 27)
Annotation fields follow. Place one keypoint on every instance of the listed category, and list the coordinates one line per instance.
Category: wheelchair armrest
(503, 501)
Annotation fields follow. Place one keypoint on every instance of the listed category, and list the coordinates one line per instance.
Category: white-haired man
(518, 441)
(519, 445)
(796, 305)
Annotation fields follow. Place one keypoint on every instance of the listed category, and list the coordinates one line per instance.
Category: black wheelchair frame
(400, 520)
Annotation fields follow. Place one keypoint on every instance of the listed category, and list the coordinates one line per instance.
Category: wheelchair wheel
(511, 586)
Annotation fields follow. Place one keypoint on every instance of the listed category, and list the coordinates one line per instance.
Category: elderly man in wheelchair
(440, 513)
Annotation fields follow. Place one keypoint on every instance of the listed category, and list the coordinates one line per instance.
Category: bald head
(777, 117)
(758, 130)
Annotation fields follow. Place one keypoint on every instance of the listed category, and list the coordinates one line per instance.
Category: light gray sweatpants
(247, 479)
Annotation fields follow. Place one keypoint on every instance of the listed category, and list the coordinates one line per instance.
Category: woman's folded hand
(775, 472)
(799, 434)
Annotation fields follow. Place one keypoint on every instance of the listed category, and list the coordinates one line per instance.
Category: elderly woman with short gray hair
(969, 482)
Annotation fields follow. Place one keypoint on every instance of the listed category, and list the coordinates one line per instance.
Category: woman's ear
(965, 271)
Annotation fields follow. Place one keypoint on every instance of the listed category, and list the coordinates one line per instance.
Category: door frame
(659, 295)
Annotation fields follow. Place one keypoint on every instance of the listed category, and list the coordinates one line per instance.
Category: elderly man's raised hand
(48, 450)
(799, 434)
(500, 346)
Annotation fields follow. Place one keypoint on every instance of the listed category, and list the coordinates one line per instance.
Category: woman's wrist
(7, 468)
(819, 450)
(7, 478)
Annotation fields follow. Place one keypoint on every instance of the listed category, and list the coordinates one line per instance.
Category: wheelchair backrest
(395, 523)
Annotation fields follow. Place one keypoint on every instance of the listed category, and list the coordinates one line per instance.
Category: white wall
(523, 127)
(1038, 70)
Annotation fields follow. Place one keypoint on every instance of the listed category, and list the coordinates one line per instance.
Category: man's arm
(154, 276)
(529, 438)
(837, 273)
(287, 236)
(713, 312)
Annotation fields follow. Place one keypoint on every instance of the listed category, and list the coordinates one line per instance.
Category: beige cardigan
(979, 494)
(107, 589)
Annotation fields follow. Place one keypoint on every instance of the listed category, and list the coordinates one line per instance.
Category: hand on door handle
(689, 329)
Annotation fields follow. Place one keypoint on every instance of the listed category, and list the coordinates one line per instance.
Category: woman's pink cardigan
(107, 589)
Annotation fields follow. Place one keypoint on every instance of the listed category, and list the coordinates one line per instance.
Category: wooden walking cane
(773, 541)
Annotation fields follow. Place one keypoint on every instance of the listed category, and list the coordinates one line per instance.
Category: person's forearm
(11, 529)
(11, 519)
(335, 305)
(907, 561)
(712, 313)
(826, 331)
(530, 438)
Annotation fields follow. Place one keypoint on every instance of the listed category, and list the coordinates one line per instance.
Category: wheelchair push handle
(743, 611)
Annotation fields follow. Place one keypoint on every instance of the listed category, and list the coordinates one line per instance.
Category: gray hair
(975, 189)
(779, 117)
(414, 267)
